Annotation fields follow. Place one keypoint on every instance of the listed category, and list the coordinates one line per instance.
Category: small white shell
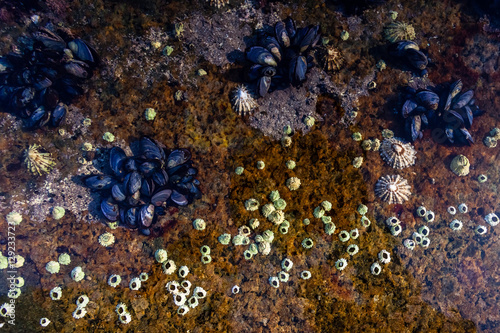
(125, 318)
(492, 219)
(79, 313)
(462, 208)
(135, 284)
(456, 225)
(179, 299)
(375, 268)
(384, 257)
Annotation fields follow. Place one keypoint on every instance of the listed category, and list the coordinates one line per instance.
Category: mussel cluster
(142, 186)
(445, 109)
(282, 58)
(35, 83)
(409, 54)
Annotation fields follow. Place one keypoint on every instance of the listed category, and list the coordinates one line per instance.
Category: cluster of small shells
(491, 140)
(180, 291)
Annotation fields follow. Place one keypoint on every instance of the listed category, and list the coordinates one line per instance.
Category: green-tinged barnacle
(77, 274)
(396, 229)
(356, 136)
(306, 221)
(192, 302)
(169, 267)
(286, 141)
(354, 233)
(56, 293)
(456, 225)
(247, 255)
(205, 250)
(37, 161)
(235, 289)
(293, 183)
(327, 205)
(283, 276)
(150, 114)
(238, 240)
(495, 133)
(112, 224)
(44, 322)
(82, 301)
(344, 35)
(261, 165)
(14, 218)
(305, 275)
(387, 134)
(251, 205)
(161, 255)
(58, 212)
(424, 230)
(318, 212)
(201, 72)
(121, 308)
(365, 221)
(425, 242)
(280, 204)
(421, 211)
(287, 130)
(326, 219)
(264, 248)
(492, 219)
(341, 264)
(286, 264)
(107, 239)
(254, 223)
(16, 262)
(362, 209)
(482, 178)
(462, 208)
(285, 224)
(200, 224)
(290, 164)
(135, 284)
(14, 293)
(384, 257)
(417, 237)
(381, 65)
(87, 122)
(460, 165)
(329, 228)
(167, 50)
(309, 121)
(391, 221)
(239, 170)
(179, 95)
(366, 145)
(206, 259)
(352, 249)
(52, 267)
(429, 216)
(490, 142)
(357, 162)
(267, 209)
(274, 195)
(393, 14)
(114, 280)
(397, 31)
(344, 236)
(277, 217)
(283, 230)
(199, 292)
(19, 282)
(375, 144)
(409, 244)
(253, 249)
(307, 243)
(259, 239)
(268, 236)
(183, 271)
(274, 281)
(108, 137)
(375, 268)
(480, 230)
(143, 276)
(79, 313)
(5, 309)
(87, 146)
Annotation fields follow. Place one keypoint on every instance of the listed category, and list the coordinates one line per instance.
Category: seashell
(463, 99)
(290, 27)
(118, 192)
(398, 153)
(178, 157)
(131, 217)
(408, 108)
(263, 85)
(460, 165)
(393, 189)
(146, 215)
(273, 46)
(160, 197)
(117, 158)
(428, 99)
(83, 51)
(243, 101)
(178, 198)
(148, 167)
(134, 182)
(147, 187)
(260, 55)
(310, 38)
(77, 68)
(281, 34)
(131, 165)
(110, 210)
(151, 150)
(298, 69)
(100, 182)
(58, 114)
(160, 177)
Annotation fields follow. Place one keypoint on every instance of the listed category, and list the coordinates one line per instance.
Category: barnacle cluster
(281, 58)
(38, 161)
(142, 186)
(38, 78)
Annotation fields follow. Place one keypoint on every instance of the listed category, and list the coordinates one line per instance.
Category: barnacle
(318, 212)
(254, 223)
(179, 299)
(397, 31)
(261, 165)
(206, 259)
(293, 183)
(14, 293)
(384, 257)
(183, 271)
(19, 282)
(274, 281)
(392, 221)
(251, 205)
(5, 309)
(58, 212)
(286, 141)
(79, 313)
(344, 236)
(56, 293)
(173, 287)
(77, 274)
(425, 242)
(107, 239)
(64, 259)
(452, 210)
(326, 219)
(429, 216)
(125, 318)
(480, 230)
(235, 289)
(268, 236)
(354, 233)
(307, 243)
(305, 275)
(14, 218)
(135, 284)
(267, 209)
(424, 231)
(277, 217)
(462, 208)
(199, 292)
(329, 228)
(224, 239)
(82, 301)
(341, 264)
(143, 276)
(279, 204)
(409, 244)
(283, 276)
(375, 268)
(327, 205)
(247, 255)
(492, 219)
(121, 308)
(309, 121)
(265, 248)
(456, 225)
(332, 58)
(52, 267)
(286, 264)
(417, 237)
(44, 322)
(290, 164)
(253, 249)
(114, 280)
(192, 302)
(199, 224)
(396, 229)
(362, 209)
(352, 249)
(239, 170)
(169, 267)
(218, 3)
(482, 178)
(161, 255)
(357, 162)
(205, 250)
(38, 161)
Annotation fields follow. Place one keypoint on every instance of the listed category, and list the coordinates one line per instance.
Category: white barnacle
(56, 293)
(375, 268)
(421, 211)
(384, 257)
(183, 271)
(392, 221)
(283, 276)
(79, 313)
(480, 230)
(169, 267)
(425, 242)
(179, 299)
(305, 275)
(452, 210)
(274, 281)
(462, 208)
(121, 308)
(77, 274)
(429, 216)
(44, 322)
(352, 249)
(286, 264)
(409, 244)
(82, 301)
(135, 284)
(417, 237)
(235, 289)
(424, 230)
(161, 255)
(182, 310)
(344, 236)
(396, 230)
(243, 101)
(492, 219)
(173, 287)
(341, 264)
(456, 225)
(199, 292)
(125, 318)
(354, 233)
(192, 302)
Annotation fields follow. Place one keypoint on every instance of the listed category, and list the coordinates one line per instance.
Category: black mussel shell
(58, 114)
(50, 40)
(281, 34)
(310, 39)
(263, 85)
(145, 232)
(268, 71)
(455, 88)
(290, 27)
(260, 55)
(78, 69)
(467, 136)
(468, 116)
(416, 58)
(272, 46)
(408, 108)
(39, 116)
(254, 72)
(178, 157)
(118, 192)
(100, 182)
(134, 199)
(161, 197)
(298, 69)
(463, 99)
(147, 187)
(42, 83)
(117, 159)
(178, 198)
(83, 51)
(147, 168)
(110, 210)
(428, 99)
(146, 215)
(131, 165)
(415, 129)
(134, 182)
(450, 134)
(131, 217)
(160, 177)
(150, 150)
